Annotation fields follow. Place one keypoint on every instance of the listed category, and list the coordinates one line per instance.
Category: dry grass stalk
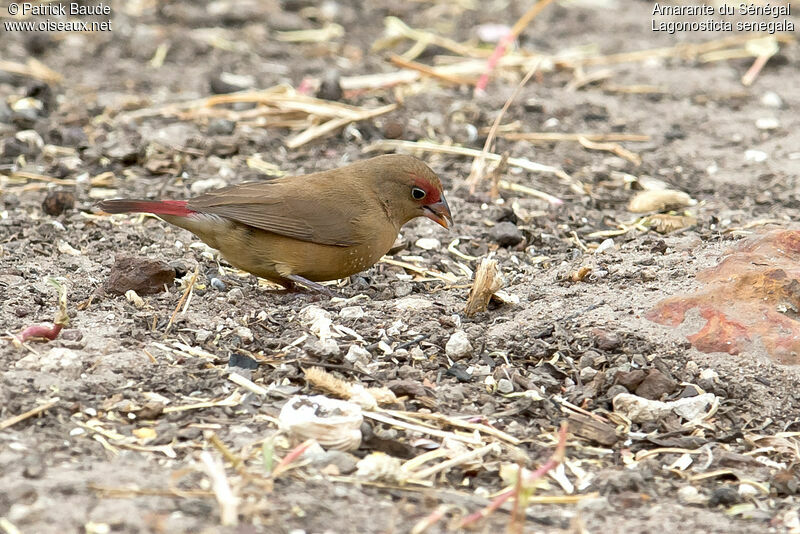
(445, 277)
(228, 502)
(381, 417)
(283, 106)
(488, 280)
(479, 163)
(247, 384)
(397, 30)
(33, 69)
(549, 137)
(183, 299)
(463, 458)
(458, 423)
(430, 71)
(11, 421)
(687, 51)
(613, 148)
(234, 399)
(521, 163)
(328, 32)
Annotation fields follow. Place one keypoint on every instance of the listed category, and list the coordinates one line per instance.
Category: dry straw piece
(488, 280)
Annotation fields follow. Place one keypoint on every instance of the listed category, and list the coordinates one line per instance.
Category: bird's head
(408, 189)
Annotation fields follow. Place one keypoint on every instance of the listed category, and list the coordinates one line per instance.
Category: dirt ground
(111, 453)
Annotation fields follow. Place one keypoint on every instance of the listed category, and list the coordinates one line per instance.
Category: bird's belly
(274, 257)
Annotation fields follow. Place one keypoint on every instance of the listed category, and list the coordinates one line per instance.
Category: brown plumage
(311, 228)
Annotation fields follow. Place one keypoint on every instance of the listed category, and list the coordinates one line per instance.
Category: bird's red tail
(157, 207)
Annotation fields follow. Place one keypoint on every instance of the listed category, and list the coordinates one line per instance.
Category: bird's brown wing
(283, 209)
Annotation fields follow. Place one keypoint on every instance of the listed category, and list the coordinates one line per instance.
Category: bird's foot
(308, 284)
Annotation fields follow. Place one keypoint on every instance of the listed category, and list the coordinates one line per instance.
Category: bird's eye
(418, 193)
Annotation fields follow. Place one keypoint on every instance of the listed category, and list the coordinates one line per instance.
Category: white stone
(756, 156)
(458, 346)
(505, 386)
(607, 244)
(351, 312)
(767, 123)
(428, 243)
(772, 99)
(244, 333)
(357, 354)
(641, 410)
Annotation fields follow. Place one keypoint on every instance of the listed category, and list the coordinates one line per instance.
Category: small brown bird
(311, 228)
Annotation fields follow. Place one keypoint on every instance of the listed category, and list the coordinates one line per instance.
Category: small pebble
(351, 312)
(607, 244)
(402, 289)
(221, 127)
(505, 386)
(428, 243)
(235, 295)
(506, 234)
(57, 202)
(587, 374)
(772, 100)
(756, 156)
(331, 88)
(218, 284)
(458, 346)
(244, 333)
(143, 275)
(357, 354)
(393, 130)
(767, 123)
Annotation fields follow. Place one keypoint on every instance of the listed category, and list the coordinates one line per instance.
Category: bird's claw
(308, 284)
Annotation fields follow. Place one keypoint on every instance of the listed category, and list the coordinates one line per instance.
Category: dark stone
(724, 496)
(506, 234)
(605, 340)
(57, 202)
(393, 130)
(330, 88)
(143, 275)
(221, 127)
(241, 361)
(631, 379)
(656, 385)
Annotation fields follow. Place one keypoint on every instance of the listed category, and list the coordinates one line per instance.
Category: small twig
(479, 164)
(613, 148)
(11, 421)
(185, 295)
(549, 137)
(421, 429)
(457, 460)
(235, 461)
(228, 502)
(429, 71)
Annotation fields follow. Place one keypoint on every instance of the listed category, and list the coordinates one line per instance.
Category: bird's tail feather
(157, 207)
